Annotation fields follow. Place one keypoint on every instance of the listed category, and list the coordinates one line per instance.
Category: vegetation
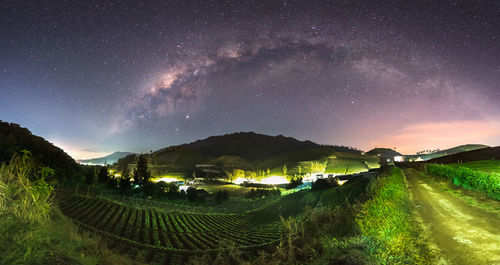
(163, 235)
(349, 163)
(32, 231)
(489, 166)
(387, 224)
(142, 173)
(488, 183)
(14, 139)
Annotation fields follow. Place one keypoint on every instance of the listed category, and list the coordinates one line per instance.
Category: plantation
(488, 183)
(350, 163)
(166, 237)
(490, 166)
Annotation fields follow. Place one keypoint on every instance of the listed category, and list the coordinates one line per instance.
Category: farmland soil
(464, 234)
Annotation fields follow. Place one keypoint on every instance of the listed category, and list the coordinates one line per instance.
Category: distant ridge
(474, 155)
(254, 146)
(450, 151)
(242, 150)
(383, 152)
(109, 159)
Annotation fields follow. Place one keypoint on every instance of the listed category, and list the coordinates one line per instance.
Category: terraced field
(160, 238)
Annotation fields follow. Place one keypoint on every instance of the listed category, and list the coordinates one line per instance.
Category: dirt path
(463, 233)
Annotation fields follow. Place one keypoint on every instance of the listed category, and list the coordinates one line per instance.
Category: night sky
(97, 77)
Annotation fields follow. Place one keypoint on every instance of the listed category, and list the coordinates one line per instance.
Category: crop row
(159, 233)
(488, 183)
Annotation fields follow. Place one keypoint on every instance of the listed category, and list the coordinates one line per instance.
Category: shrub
(323, 184)
(488, 183)
(32, 231)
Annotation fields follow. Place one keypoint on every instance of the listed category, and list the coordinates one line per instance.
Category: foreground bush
(488, 183)
(32, 231)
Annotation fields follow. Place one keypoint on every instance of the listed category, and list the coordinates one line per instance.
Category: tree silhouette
(125, 183)
(142, 173)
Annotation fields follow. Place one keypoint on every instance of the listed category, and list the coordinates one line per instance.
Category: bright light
(273, 180)
(399, 159)
(341, 182)
(240, 180)
(166, 179)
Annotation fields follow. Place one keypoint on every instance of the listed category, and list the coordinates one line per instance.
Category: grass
(36, 232)
(489, 166)
(387, 224)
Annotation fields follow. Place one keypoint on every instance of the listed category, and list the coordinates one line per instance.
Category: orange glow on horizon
(442, 135)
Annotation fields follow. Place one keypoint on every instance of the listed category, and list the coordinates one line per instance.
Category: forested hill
(254, 146)
(14, 138)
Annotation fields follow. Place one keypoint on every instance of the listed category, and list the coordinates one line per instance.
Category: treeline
(488, 183)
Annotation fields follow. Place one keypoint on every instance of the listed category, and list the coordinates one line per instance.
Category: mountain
(250, 145)
(241, 150)
(461, 148)
(474, 155)
(450, 151)
(383, 152)
(14, 138)
(109, 159)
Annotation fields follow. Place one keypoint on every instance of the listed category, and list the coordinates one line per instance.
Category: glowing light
(166, 179)
(273, 180)
(341, 182)
(399, 159)
(240, 180)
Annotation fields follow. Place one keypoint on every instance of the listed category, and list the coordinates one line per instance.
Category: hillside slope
(14, 138)
(255, 146)
(450, 151)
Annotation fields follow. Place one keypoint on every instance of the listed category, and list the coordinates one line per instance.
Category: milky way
(136, 77)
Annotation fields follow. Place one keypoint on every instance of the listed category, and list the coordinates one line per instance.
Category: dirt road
(463, 233)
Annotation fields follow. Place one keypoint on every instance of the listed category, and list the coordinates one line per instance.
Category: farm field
(162, 238)
(490, 166)
(343, 163)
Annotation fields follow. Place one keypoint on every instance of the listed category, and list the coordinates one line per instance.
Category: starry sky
(95, 77)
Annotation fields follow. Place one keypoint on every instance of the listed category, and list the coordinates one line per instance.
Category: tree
(103, 174)
(141, 172)
(90, 175)
(125, 182)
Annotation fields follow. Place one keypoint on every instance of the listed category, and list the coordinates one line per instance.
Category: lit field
(490, 166)
(350, 163)
(161, 238)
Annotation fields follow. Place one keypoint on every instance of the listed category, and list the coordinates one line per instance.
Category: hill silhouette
(243, 150)
(254, 146)
(14, 138)
(450, 151)
(383, 152)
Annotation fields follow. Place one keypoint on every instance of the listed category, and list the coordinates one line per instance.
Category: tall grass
(387, 224)
(488, 183)
(32, 230)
